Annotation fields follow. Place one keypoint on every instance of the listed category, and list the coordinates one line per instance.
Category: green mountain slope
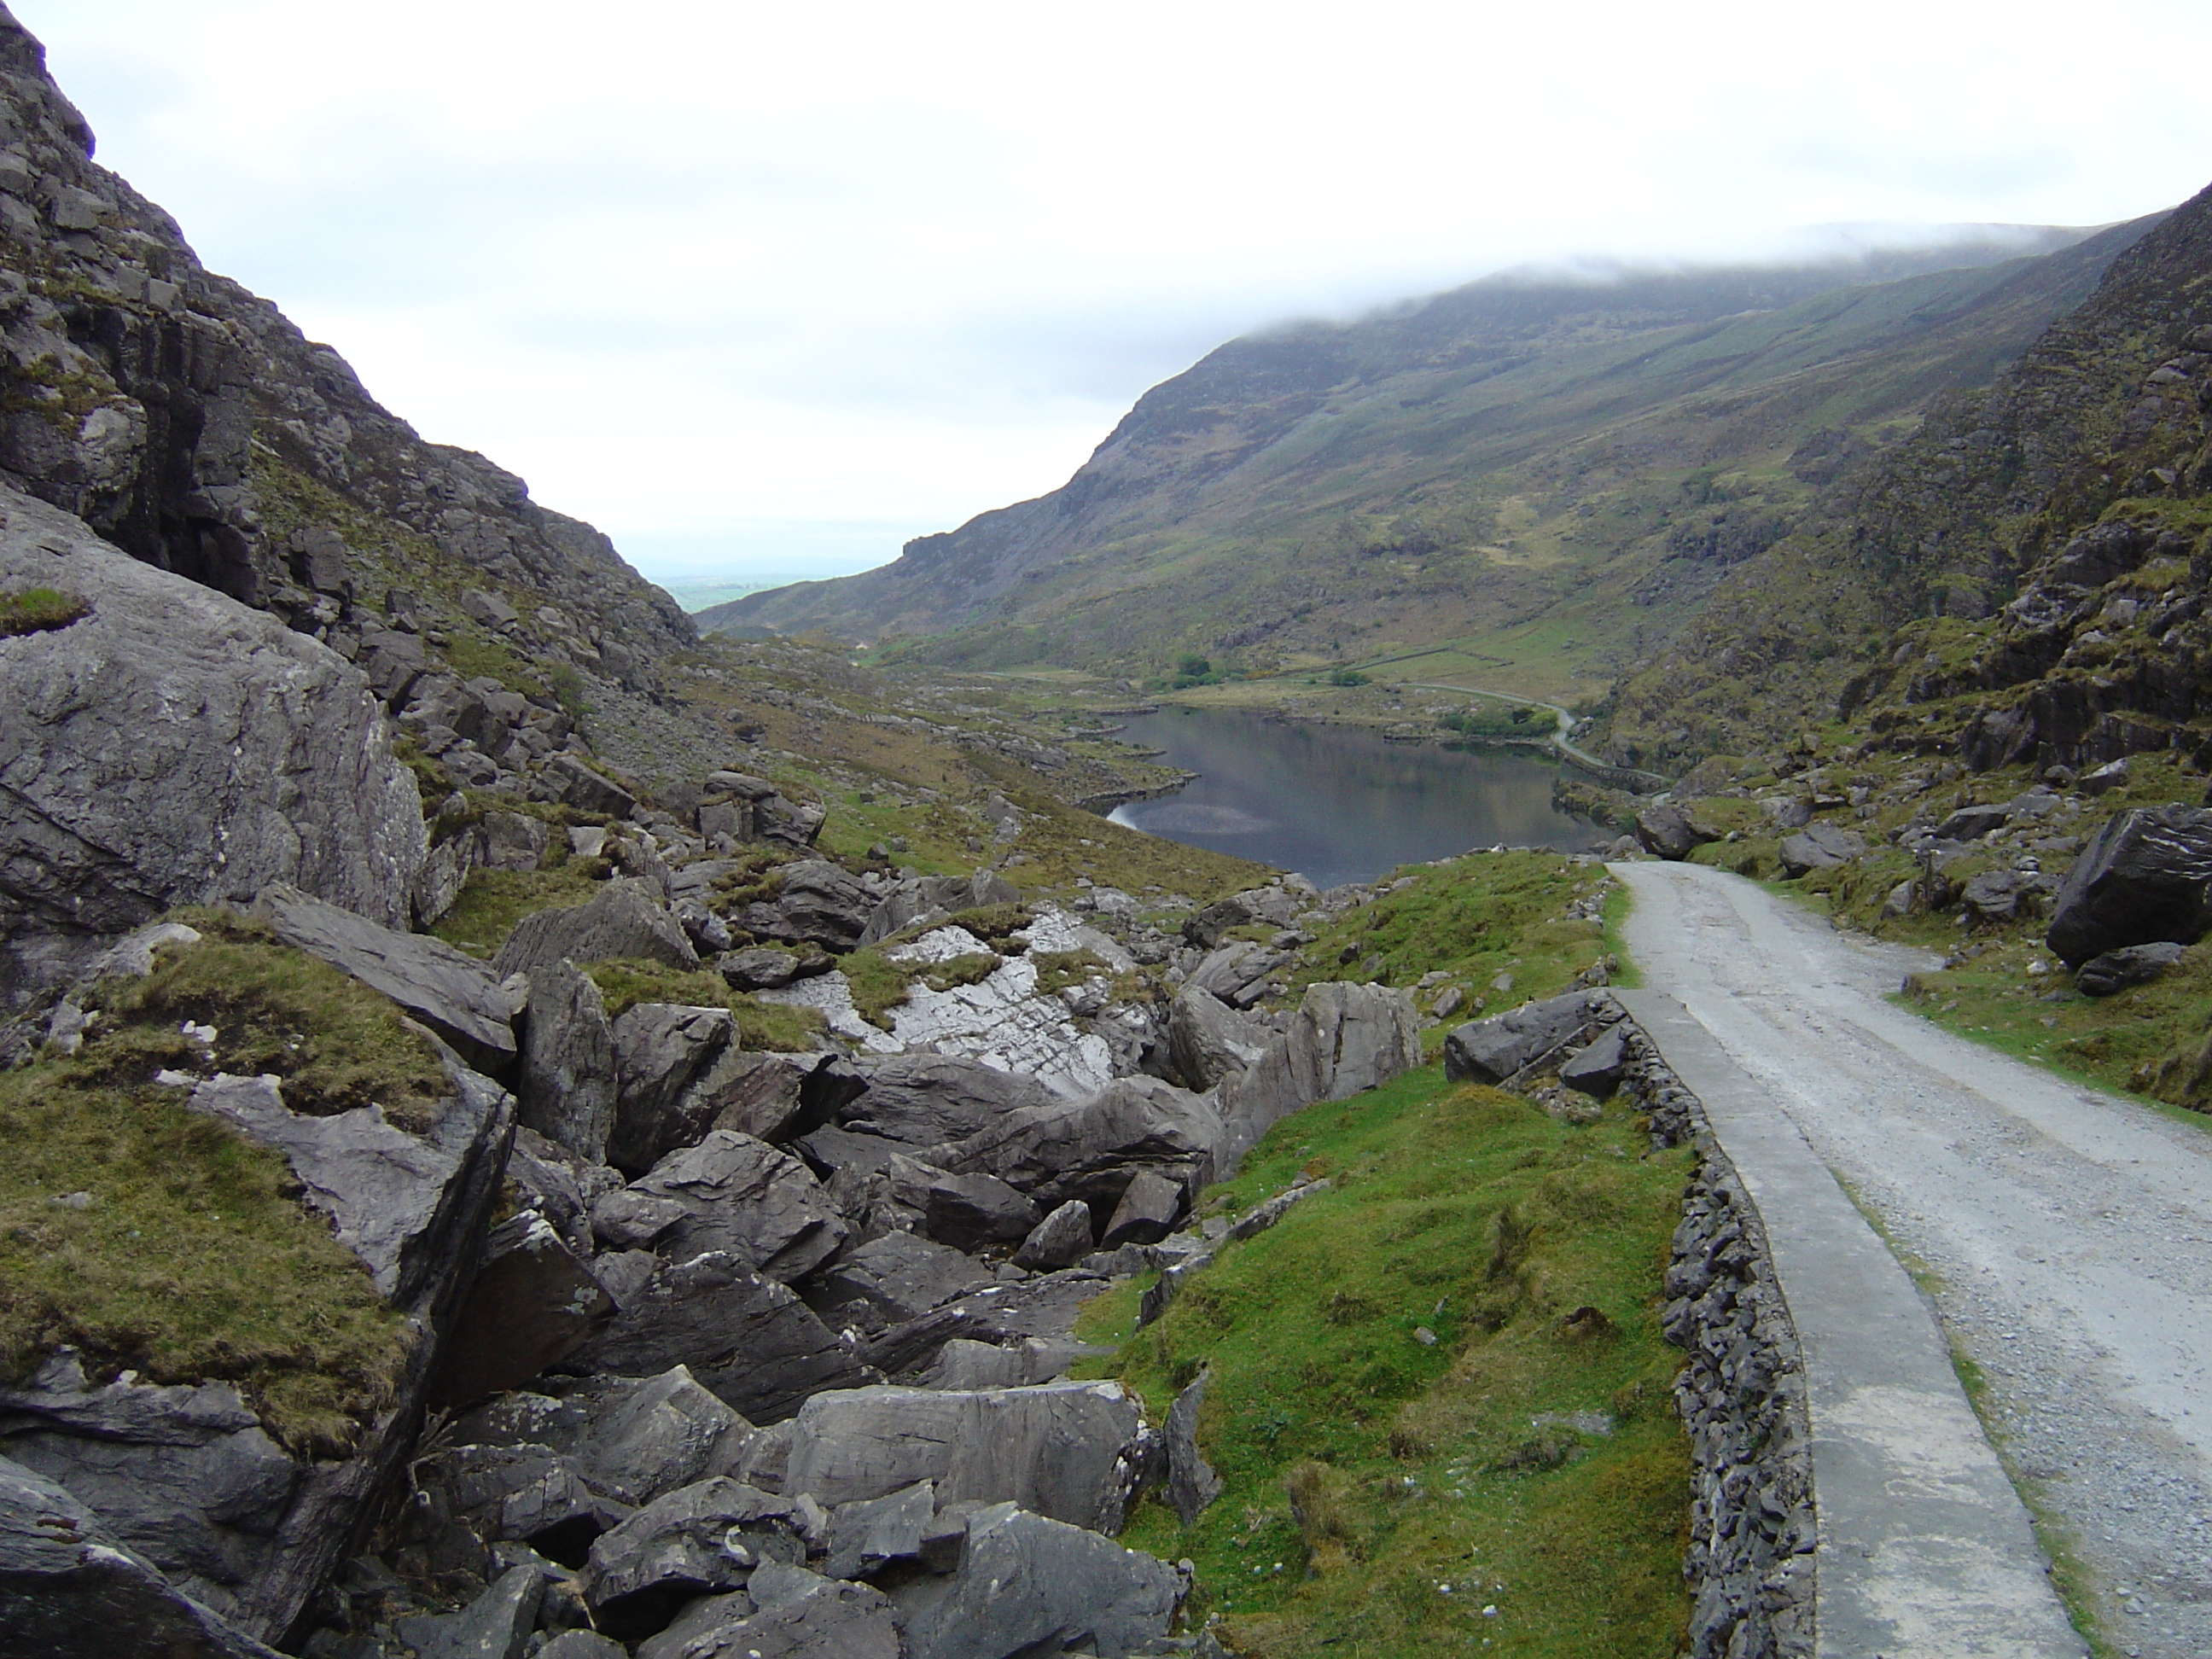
(1555, 473)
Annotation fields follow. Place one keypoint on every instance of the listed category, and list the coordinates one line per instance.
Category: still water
(1338, 804)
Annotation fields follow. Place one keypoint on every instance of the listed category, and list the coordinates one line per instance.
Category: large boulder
(2145, 878)
(1491, 1050)
(566, 1089)
(933, 898)
(1192, 1483)
(533, 1302)
(662, 1050)
(1666, 832)
(743, 1196)
(1819, 847)
(896, 1278)
(1072, 1450)
(453, 994)
(784, 1612)
(1237, 973)
(1208, 1042)
(1060, 1240)
(818, 903)
(2131, 964)
(624, 922)
(631, 1438)
(70, 1589)
(1093, 1148)
(925, 1099)
(1344, 1038)
(171, 746)
(1027, 1584)
(967, 1211)
(698, 1540)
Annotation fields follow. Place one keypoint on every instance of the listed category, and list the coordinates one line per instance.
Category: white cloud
(808, 279)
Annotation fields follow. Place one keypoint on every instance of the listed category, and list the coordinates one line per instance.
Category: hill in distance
(1541, 479)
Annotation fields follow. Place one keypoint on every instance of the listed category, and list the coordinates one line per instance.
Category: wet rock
(1192, 1485)
(1061, 1239)
(925, 1099)
(2146, 878)
(743, 1197)
(748, 1339)
(1027, 1584)
(532, 1303)
(698, 1540)
(566, 1089)
(1207, 1041)
(1070, 1450)
(1491, 1050)
(893, 1279)
(623, 922)
(1147, 1212)
(70, 1589)
(2133, 964)
(453, 994)
(1819, 847)
(1666, 832)
(1596, 1069)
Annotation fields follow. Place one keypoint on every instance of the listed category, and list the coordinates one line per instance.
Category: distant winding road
(2065, 1236)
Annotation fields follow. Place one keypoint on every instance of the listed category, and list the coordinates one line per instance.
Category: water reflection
(1339, 803)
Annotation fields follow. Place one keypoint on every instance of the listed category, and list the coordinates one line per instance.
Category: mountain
(1584, 455)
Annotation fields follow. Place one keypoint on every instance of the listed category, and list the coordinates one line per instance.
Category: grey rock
(743, 1197)
(582, 1645)
(632, 1439)
(588, 790)
(390, 1196)
(822, 902)
(1061, 1239)
(663, 1049)
(763, 1095)
(438, 883)
(626, 1219)
(1236, 973)
(175, 747)
(623, 922)
(1344, 1038)
(2146, 878)
(566, 1089)
(1207, 1043)
(1006, 1314)
(1596, 1069)
(532, 1303)
(1270, 906)
(2111, 775)
(1666, 832)
(968, 1365)
(1819, 847)
(966, 1211)
(1192, 1484)
(1972, 823)
(2131, 964)
(495, 1626)
(70, 1589)
(1491, 1050)
(1092, 1147)
(697, 1540)
(455, 995)
(925, 1099)
(513, 840)
(749, 1340)
(1147, 1212)
(2001, 894)
(759, 968)
(706, 931)
(867, 1535)
(893, 1279)
(927, 898)
(1027, 1585)
(796, 1614)
(1071, 1450)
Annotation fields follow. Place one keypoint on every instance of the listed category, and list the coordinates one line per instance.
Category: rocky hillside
(1584, 459)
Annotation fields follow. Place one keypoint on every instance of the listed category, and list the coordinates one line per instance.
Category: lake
(1339, 803)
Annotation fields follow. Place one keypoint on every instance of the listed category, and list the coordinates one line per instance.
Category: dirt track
(2065, 1236)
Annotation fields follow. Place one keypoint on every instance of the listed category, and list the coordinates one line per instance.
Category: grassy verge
(1527, 1457)
(763, 1026)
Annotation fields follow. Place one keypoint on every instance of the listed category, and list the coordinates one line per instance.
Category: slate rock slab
(1596, 1070)
(532, 1303)
(2146, 878)
(1060, 1240)
(624, 922)
(1491, 1050)
(70, 1589)
(924, 1099)
(2131, 964)
(745, 1197)
(1207, 1041)
(1192, 1484)
(566, 1089)
(1666, 832)
(697, 1540)
(455, 995)
(897, 1277)
(1819, 847)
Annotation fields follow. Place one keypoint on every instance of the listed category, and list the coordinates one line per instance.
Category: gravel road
(2065, 1236)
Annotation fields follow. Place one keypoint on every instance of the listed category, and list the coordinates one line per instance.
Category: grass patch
(39, 610)
(764, 1027)
(1367, 1469)
(493, 901)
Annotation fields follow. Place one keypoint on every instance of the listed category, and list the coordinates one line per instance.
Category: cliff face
(188, 422)
(2018, 580)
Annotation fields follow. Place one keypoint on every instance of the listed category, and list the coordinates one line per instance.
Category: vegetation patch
(40, 610)
(493, 901)
(1429, 1439)
(765, 1027)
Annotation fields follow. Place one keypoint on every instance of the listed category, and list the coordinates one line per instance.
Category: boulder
(2131, 964)
(766, 1096)
(966, 1364)
(749, 1341)
(761, 969)
(822, 902)
(1972, 823)
(925, 1099)
(532, 1303)
(1027, 1585)
(512, 841)
(1070, 1450)
(626, 1219)
(788, 1612)
(588, 790)
(2146, 878)
(1595, 1070)
(1091, 1148)
(1491, 1050)
(1819, 847)
(867, 1536)
(662, 1049)
(582, 1645)
(173, 746)
(696, 1540)
(1207, 1041)
(1666, 832)
(1270, 906)
(624, 922)
(438, 883)
(70, 1588)
(896, 1278)
(966, 1211)
(1344, 1038)
(495, 1626)
(566, 1089)
(1236, 973)
(631, 1438)
(475, 1497)
(1005, 1316)
(455, 995)
(928, 898)
(742, 1196)
(1192, 1484)
(1999, 895)
(1061, 1239)
(1147, 1212)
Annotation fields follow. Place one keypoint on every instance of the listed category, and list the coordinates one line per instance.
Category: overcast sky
(764, 289)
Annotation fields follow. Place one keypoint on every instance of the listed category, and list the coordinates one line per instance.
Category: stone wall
(1741, 1396)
